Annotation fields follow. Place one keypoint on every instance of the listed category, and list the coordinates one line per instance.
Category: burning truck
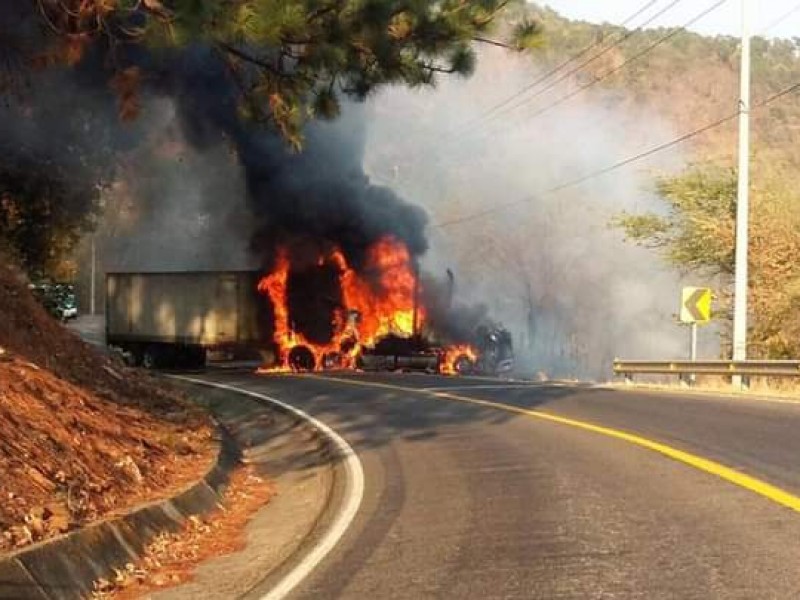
(337, 285)
(330, 315)
(319, 314)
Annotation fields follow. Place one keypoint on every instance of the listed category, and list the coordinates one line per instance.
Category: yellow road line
(753, 484)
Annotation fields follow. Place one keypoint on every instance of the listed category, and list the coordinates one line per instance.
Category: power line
(674, 32)
(634, 58)
(555, 70)
(586, 63)
(665, 38)
(618, 165)
(624, 64)
(780, 19)
(777, 96)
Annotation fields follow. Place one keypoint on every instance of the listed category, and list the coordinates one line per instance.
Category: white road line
(354, 492)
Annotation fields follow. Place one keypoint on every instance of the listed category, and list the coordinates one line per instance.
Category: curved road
(471, 501)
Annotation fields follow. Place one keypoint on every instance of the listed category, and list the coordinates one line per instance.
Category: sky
(727, 19)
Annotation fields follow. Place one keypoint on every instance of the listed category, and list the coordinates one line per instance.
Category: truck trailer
(175, 319)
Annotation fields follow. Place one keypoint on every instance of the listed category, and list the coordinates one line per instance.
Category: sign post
(93, 284)
(695, 309)
(693, 352)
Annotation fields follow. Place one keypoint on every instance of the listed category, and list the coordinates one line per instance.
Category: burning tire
(332, 360)
(302, 359)
(463, 365)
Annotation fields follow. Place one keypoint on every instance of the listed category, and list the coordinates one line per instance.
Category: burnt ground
(82, 437)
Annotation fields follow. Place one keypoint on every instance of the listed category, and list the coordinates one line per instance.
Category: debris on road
(172, 557)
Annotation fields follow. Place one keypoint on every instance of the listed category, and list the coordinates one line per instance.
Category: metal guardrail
(745, 368)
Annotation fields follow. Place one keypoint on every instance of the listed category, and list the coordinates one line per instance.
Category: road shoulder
(299, 461)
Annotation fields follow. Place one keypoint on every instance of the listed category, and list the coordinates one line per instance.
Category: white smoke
(550, 268)
(188, 204)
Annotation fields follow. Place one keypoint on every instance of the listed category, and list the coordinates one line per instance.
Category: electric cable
(660, 41)
(554, 71)
(780, 20)
(620, 164)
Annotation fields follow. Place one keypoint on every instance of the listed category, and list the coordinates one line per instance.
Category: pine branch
(249, 58)
(484, 40)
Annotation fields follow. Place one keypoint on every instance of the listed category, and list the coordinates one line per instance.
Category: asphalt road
(468, 501)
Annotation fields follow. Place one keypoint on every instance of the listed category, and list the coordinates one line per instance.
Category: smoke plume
(320, 195)
(549, 267)
(208, 190)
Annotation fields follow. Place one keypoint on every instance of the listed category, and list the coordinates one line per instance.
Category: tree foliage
(290, 60)
(294, 59)
(43, 214)
(697, 235)
(690, 81)
(697, 232)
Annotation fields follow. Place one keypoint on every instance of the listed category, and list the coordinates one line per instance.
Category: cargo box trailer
(174, 319)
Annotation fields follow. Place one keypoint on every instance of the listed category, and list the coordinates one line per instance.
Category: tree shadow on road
(373, 416)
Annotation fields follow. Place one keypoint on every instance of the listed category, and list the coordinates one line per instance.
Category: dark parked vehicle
(58, 299)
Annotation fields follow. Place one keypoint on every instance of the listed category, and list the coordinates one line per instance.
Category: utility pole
(693, 351)
(743, 199)
(93, 283)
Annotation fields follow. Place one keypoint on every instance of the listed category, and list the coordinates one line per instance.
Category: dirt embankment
(81, 436)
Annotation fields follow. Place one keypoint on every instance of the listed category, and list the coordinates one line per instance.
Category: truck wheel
(302, 359)
(463, 365)
(134, 355)
(197, 358)
(129, 357)
(150, 358)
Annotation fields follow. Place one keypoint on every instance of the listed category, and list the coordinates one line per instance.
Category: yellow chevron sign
(696, 305)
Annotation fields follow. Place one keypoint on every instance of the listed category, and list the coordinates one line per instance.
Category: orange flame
(454, 354)
(275, 286)
(382, 309)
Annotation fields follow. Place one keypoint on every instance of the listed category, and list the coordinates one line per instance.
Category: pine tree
(294, 59)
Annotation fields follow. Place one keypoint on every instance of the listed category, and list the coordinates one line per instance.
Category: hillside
(482, 156)
(693, 81)
(81, 436)
(690, 79)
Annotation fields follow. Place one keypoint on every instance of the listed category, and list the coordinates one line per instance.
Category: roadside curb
(66, 567)
(329, 529)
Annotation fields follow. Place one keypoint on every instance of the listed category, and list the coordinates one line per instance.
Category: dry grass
(760, 387)
(171, 559)
(82, 437)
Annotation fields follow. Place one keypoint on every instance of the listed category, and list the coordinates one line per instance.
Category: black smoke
(310, 201)
(319, 194)
(317, 197)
